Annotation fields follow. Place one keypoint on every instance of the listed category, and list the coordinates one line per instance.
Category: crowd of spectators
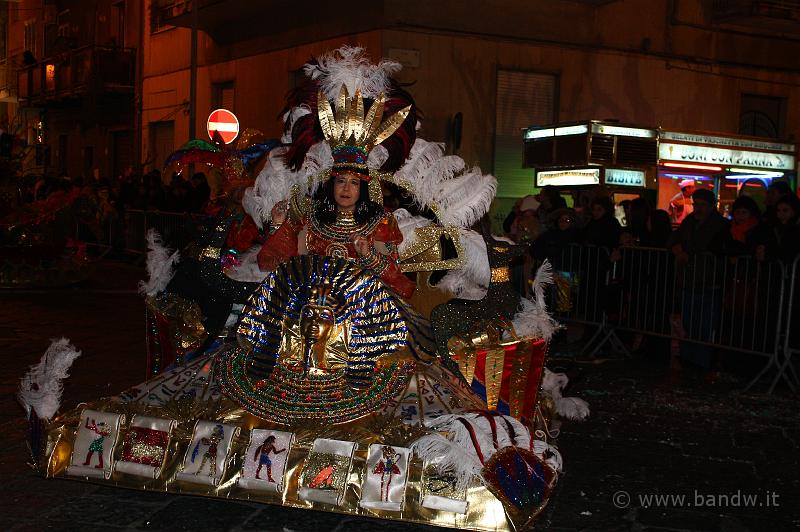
(129, 191)
(546, 223)
(691, 287)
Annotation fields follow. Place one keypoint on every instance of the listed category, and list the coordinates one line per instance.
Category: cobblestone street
(652, 456)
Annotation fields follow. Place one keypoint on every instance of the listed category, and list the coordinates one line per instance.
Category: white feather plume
(449, 458)
(415, 170)
(255, 206)
(471, 281)
(247, 270)
(42, 386)
(377, 157)
(160, 263)
(567, 407)
(275, 181)
(350, 66)
(289, 119)
(466, 198)
(452, 449)
(532, 319)
(408, 224)
(462, 195)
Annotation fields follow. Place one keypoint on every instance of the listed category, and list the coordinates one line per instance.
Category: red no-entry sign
(223, 123)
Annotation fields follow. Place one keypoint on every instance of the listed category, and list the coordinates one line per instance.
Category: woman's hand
(362, 244)
(279, 211)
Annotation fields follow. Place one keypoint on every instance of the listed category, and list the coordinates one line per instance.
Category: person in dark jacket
(701, 238)
(744, 225)
(603, 230)
(780, 239)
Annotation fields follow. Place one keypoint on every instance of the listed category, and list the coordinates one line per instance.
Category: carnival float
(345, 338)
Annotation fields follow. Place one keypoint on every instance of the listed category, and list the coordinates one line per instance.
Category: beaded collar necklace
(342, 228)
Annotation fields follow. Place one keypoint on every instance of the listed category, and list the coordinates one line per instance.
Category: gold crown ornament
(350, 134)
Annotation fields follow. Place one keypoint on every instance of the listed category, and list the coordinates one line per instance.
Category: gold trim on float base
(485, 512)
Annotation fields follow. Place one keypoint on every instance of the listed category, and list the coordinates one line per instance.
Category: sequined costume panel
(383, 235)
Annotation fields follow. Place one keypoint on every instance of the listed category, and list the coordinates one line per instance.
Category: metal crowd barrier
(732, 303)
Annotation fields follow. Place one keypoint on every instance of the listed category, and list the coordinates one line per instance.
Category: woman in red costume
(346, 217)
(342, 222)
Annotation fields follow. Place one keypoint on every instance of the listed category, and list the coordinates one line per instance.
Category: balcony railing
(769, 14)
(74, 74)
(8, 81)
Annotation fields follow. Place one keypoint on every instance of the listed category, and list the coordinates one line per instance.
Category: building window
(62, 23)
(3, 32)
(30, 37)
(118, 24)
(762, 116)
(162, 142)
(223, 95)
(524, 99)
(163, 10)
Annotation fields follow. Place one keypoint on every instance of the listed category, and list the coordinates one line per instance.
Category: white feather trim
(254, 207)
(549, 454)
(471, 281)
(377, 157)
(455, 451)
(408, 224)
(567, 407)
(275, 181)
(42, 386)
(572, 408)
(463, 196)
(247, 270)
(532, 319)
(448, 457)
(349, 66)
(160, 262)
(465, 199)
(289, 119)
(553, 383)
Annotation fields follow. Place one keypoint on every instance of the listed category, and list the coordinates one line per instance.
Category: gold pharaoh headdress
(350, 134)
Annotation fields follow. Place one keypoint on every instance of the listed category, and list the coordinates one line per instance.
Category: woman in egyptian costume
(333, 355)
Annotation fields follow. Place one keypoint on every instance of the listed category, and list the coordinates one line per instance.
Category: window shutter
(524, 99)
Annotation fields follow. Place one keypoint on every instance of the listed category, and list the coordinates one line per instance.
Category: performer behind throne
(346, 217)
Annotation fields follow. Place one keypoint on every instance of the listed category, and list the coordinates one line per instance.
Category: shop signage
(622, 131)
(723, 156)
(732, 142)
(562, 131)
(624, 178)
(586, 176)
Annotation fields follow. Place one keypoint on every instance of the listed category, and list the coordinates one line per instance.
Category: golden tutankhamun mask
(315, 344)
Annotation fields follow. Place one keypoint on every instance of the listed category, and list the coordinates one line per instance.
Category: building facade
(481, 71)
(73, 67)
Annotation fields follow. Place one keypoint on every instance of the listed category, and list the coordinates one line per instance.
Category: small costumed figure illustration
(217, 435)
(386, 468)
(103, 431)
(324, 479)
(262, 457)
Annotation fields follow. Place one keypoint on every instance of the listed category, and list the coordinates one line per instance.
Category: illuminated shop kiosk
(724, 164)
(578, 155)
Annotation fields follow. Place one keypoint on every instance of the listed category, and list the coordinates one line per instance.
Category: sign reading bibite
(223, 123)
